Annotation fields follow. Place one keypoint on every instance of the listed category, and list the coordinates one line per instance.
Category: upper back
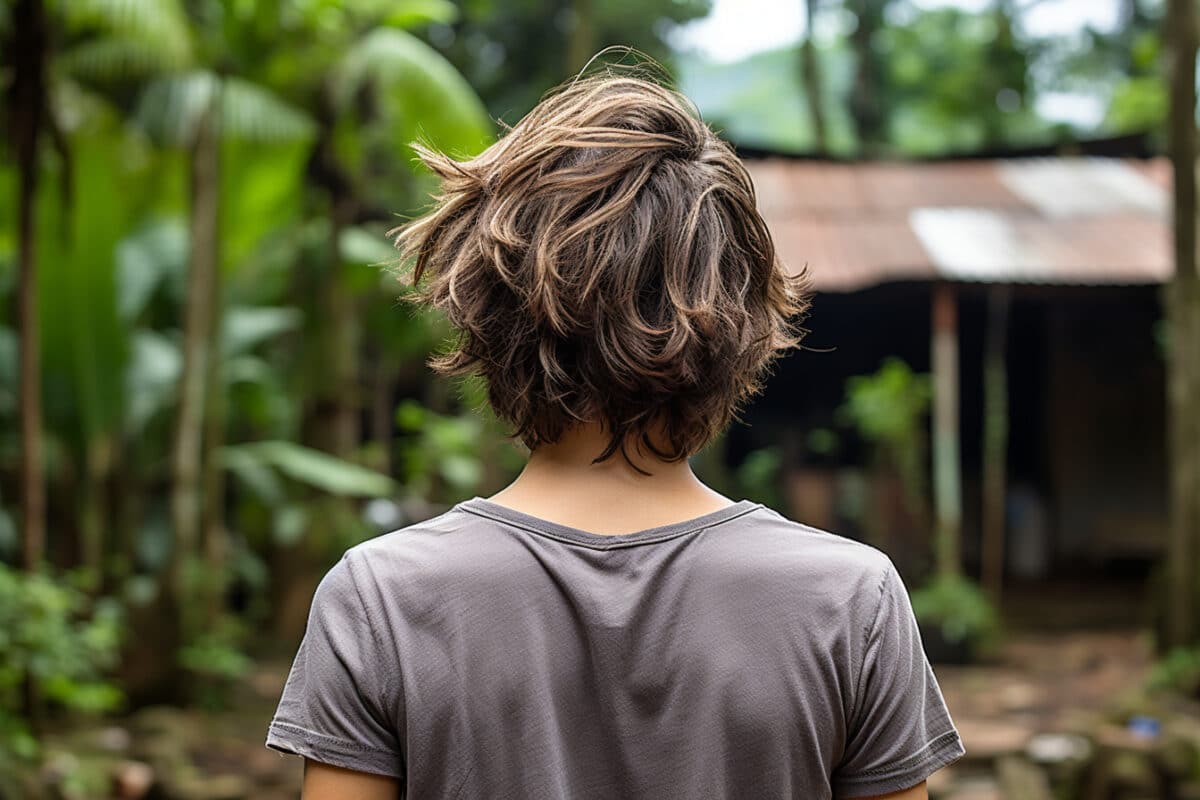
(734, 655)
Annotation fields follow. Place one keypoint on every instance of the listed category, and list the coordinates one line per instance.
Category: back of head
(604, 262)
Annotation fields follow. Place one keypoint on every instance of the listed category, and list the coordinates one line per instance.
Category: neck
(561, 483)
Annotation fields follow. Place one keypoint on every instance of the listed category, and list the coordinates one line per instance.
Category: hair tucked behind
(604, 262)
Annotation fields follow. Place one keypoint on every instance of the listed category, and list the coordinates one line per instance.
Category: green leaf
(86, 344)
(461, 471)
(8, 370)
(243, 329)
(289, 525)
(360, 246)
(423, 95)
(412, 13)
(121, 57)
(252, 112)
(147, 257)
(162, 22)
(411, 415)
(249, 369)
(254, 473)
(9, 540)
(320, 470)
(959, 607)
(172, 107)
(151, 379)
(153, 542)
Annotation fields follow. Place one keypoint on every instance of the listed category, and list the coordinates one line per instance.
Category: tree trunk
(332, 413)
(947, 481)
(864, 97)
(197, 336)
(1183, 314)
(28, 109)
(995, 438)
(812, 81)
(343, 394)
(383, 412)
(213, 538)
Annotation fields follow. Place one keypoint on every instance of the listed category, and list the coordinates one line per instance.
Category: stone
(211, 787)
(113, 739)
(132, 780)
(1020, 778)
(975, 789)
(987, 740)
(1055, 748)
(1020, 697)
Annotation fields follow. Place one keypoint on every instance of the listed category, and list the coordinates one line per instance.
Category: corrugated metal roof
(1040, 220)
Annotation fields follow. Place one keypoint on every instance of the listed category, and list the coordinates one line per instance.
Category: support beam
(1183, 315)
(995, 438)
(947, 478)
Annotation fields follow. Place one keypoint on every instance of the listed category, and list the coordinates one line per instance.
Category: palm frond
(161, 22)
(255, 113)
(172, 107)
(415, 83)
(119, 57)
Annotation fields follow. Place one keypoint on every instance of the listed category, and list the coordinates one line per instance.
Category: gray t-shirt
(487, 653)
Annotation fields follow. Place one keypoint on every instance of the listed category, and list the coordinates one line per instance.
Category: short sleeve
(338, 706)
(900, 731)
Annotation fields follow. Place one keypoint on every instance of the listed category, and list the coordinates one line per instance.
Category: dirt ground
(1049, 684)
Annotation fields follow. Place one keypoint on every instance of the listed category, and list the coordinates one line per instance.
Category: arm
(327, 782)
(899, 730)
(917, 792)
(342, 700)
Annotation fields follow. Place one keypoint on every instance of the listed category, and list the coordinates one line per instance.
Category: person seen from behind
(608, 626)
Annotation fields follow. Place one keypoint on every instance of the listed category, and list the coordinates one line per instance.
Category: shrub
(53, 633)
(959, 611)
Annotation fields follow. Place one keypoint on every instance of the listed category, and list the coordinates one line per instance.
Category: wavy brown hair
(604, 262)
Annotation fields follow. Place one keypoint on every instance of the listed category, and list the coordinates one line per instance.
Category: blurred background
(212, 384)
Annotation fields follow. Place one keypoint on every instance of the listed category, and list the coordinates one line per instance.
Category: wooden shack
(1033, 283)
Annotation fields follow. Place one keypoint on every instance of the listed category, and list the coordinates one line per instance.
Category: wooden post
(1183, 315)
(995, 438)
(947, 480)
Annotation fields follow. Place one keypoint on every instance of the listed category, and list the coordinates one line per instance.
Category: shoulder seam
(388, 674)
(868, 633)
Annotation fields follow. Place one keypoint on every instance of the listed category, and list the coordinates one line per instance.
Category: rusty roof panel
(1065, 187)
(1059, 220)
(843, 255)
(818, 187)
(983, 245)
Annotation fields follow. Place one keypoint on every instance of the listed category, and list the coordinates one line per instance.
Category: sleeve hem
(294, 740)
(941, 751)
